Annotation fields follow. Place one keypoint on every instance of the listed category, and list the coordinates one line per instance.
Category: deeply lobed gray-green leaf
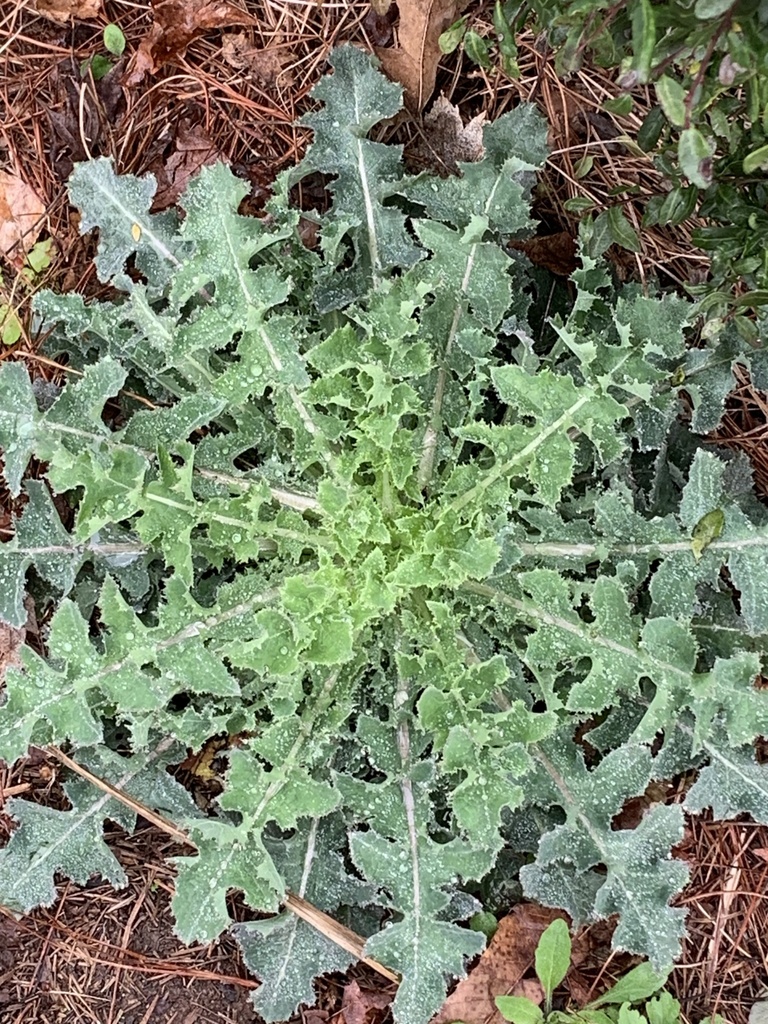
(47, 841)
(119, 206)
(285, 951)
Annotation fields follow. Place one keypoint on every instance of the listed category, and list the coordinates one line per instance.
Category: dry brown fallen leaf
(378, 23)
(315, 1016)
(556, 253)
(192, 149)
(265, 64)
(11, 642)
(359, 1005)
(63, 11)
(176, 24)
(21, 217)
(447, 141)
(501, 969)
(414, 62)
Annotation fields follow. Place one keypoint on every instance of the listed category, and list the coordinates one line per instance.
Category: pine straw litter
(110, 956)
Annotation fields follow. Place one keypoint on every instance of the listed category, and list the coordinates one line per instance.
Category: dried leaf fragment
(448, 141)
(192, 149)
(265, 64)
(21, 216)
(377, 24)
(63, 11)
(414, 62)
(359, 1005)
(178, 23)
(501, 969)
(13, 638)
(11, 642)
(556, 253)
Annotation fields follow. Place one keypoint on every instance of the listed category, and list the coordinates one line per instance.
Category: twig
(315, 917)
(699, 78)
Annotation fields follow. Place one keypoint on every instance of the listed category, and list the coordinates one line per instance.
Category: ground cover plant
(615, 1006)
(703, 67)
(455, 589)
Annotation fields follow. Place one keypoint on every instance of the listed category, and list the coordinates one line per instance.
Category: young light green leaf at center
(519, 1010)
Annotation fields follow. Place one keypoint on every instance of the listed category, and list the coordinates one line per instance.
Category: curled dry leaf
(177, 23)
(501, 969)
(414, 61)
(192, 149)
(359, 1005)
(447, 141)
(21, 217)
(63, 11)
(265, 64)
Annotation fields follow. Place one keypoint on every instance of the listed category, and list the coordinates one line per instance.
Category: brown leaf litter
(104, 955)
(266, 64)
(11, 642)
(22, 217)
(724, 965)
(85, 115)
(413, 62)
(506, 967)
(378, 23)
(555, 252)
(363, 1005)
(177, 23)
(501, 969)
(445, 141)
(62, 11)
(190, 150)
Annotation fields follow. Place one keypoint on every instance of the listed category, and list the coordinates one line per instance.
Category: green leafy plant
(707, 132)
(452, 591)
(705, 61)
(481, 50)
(97, 64)
(639, 985)
(36, 261)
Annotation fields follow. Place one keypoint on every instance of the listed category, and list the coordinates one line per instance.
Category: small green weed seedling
(616, 1006)
(114, 43)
